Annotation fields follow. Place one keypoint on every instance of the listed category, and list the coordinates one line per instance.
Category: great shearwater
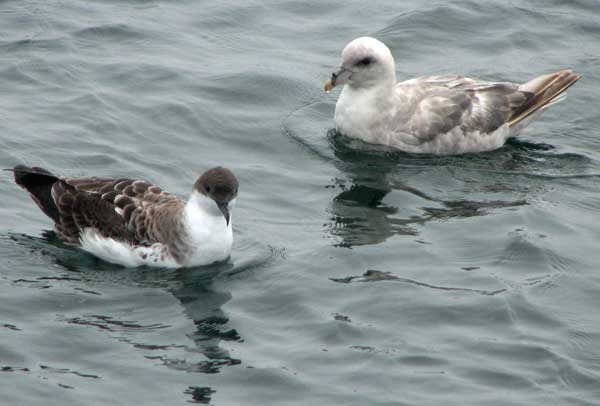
(437, 114)
(132, 222)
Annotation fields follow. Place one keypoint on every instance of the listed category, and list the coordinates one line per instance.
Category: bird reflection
(194, 288)
(202, 304)
(359, 217)
(359, 214)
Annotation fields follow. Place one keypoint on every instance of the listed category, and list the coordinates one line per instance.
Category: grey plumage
(436, 114)
(441, 103)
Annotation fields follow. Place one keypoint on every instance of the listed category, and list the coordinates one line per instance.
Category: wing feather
(127, 210)
(443, 103)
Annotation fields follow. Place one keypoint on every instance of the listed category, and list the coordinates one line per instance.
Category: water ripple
(378, 276)
(494, 282)
(115, 32)
(109, 324)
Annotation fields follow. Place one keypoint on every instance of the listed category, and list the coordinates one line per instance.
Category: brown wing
(123, 209)
(80, 209)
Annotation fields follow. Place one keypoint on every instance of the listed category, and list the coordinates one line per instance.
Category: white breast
(365, 114)
(208, 235)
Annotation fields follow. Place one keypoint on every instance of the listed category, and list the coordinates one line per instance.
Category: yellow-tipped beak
(340, 77)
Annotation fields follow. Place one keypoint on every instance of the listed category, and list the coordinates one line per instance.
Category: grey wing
(443, 103)
(122, 209)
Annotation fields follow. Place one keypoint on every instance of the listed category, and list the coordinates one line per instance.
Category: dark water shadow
(379, 276)
(359, 215)
(361, 212)
(199, 290)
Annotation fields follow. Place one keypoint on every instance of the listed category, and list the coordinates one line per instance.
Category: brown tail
(38, 182)
(546, 90)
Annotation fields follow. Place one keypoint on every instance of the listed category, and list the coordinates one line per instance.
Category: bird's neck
(360, 110)
(202, 212)
(209, 235)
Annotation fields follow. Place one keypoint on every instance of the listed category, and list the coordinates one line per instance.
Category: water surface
(360, 275)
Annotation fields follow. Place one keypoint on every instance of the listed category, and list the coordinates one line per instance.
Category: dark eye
(365, 61)
(207, 189)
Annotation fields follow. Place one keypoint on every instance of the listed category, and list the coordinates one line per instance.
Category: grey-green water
(359, 276)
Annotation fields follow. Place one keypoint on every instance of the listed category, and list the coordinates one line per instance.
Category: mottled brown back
(127, 210)
(124, 209)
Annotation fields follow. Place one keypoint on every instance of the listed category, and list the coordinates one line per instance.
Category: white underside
(125, 254)
(208, 240)
(209, 233)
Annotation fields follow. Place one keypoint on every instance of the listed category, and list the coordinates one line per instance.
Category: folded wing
(444, 103)
(439, 104)
(126, 210)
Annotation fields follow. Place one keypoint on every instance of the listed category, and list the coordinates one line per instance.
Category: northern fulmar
(439, 115)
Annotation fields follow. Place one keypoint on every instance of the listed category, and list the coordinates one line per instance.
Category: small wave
(378, 276)
(116, 32)
(54, 44)
(108, 323)
(68, 371)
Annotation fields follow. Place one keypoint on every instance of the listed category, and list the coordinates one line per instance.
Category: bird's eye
(207, 189)
(365, 61)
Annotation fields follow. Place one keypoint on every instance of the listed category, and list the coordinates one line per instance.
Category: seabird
(132, 222)
(436, 114)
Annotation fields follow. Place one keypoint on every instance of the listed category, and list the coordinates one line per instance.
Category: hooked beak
(224, 207)
(338, 78)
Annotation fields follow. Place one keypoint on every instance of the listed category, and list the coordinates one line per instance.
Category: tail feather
(38, 182)
(555, 100)
(547, 90)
